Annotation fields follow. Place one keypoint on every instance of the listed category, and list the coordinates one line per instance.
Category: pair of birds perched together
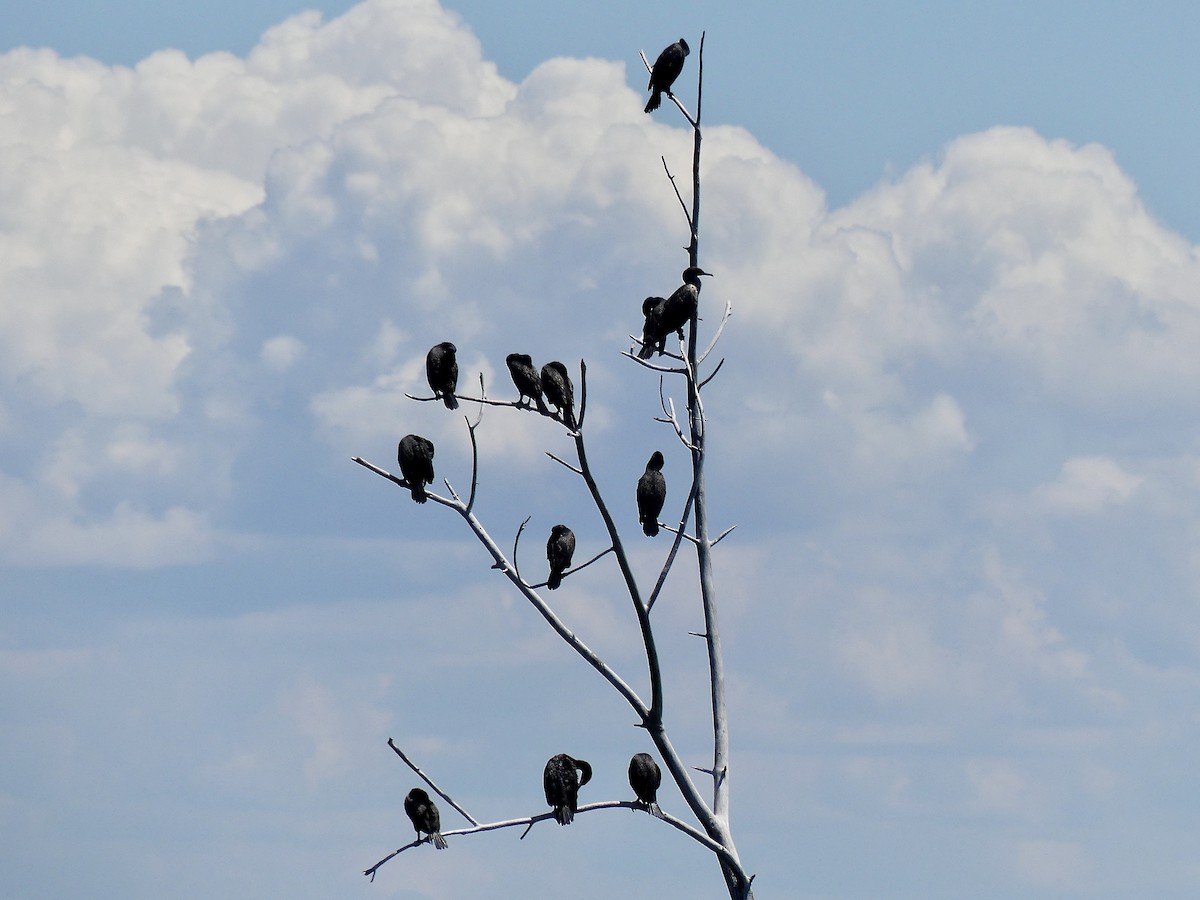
(564, 776)
(561, 780)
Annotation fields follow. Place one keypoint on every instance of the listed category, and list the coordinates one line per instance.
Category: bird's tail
(450, 401)
(418, 492)
(564, 814)
(555, 581)
(438, 840)
(650, 527)
(654, 102)
(654, 809)
(647, 350)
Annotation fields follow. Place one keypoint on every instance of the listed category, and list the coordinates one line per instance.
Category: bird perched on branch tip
(556, 385)
(664, 72)
(561, 784)
(415, 455)
(424, 815)
(441, 370)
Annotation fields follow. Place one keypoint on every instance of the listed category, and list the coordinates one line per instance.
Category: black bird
(671, 314)
(651, 494)
(525, 377)
(415, 455)
(559, 550)
(664, 72)
(562, 785)
(556, 384)
(425, 818)
(653, 335)
(644, 778)
(441, 369)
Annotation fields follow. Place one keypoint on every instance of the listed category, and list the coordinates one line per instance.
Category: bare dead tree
(710, 810)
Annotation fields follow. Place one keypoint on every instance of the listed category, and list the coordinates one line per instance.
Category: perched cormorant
(664, 72)
(525, 377)
(556, 385)
(653, 335)
(651, 494)
(562, 785)
(559, 550)
(441, 369)
(415, 455)
(425, 818)
(644, 778)
(671, 314)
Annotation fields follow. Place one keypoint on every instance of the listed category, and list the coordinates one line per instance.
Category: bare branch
(582, 395)
(712, 374)
(721, 536)
(656, 368)
(516, 543)
(429, 781)
(529, 821)
(687, 215)
(677, 531)
(575, 569)
(564, 463)
(716, 336)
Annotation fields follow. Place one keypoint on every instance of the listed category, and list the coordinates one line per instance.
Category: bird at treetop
(525, 377)
(673, 313)
(664, 72)
(556, 385)
(415, 455)
(424, 815)
(562, 785)
(644, 778)
(559, 550)
(651, 494)
(441, 370)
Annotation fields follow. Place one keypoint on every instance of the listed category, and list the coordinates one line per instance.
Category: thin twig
(582, 395)
(721, 536)
(575, 569)
(713, 373)
(429, 781)
(655, 368)
(671, 177)
(717, 336)
(516, 542)
(564, 463)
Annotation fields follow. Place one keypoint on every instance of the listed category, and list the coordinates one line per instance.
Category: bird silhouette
(525, 376)
(562, 784)
(415, 455)
(671, 314)
(424, 815)
(653, 335)
(559, 549)
(556, 385)
(651, 494)
(644, 778)
(664, 72)
(441, 370)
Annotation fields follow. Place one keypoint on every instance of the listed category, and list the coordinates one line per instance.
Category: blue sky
(955, 430)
